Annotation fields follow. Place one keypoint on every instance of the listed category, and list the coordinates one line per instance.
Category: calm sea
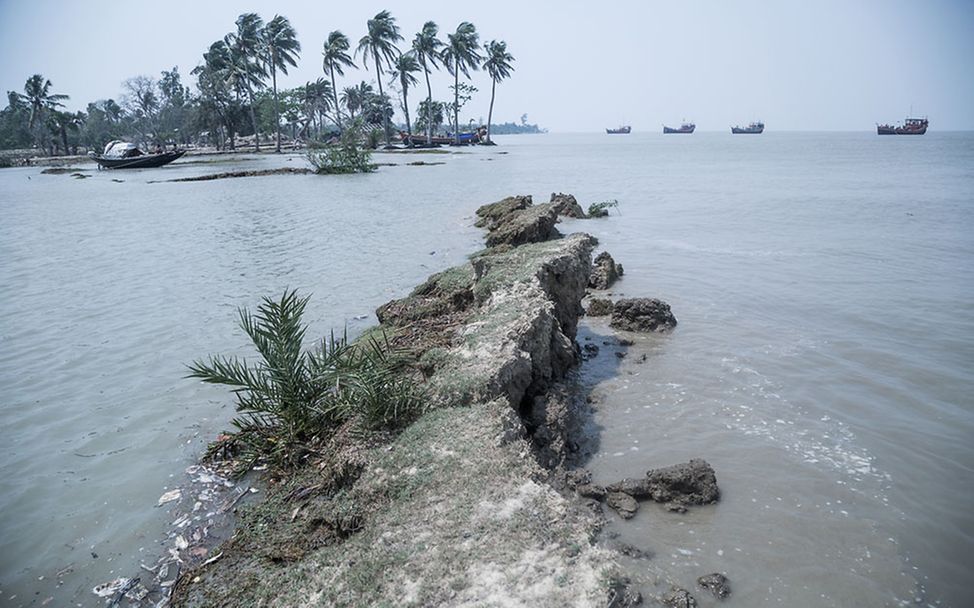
(824, 285)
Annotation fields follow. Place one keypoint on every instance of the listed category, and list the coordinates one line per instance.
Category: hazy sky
(581, 65)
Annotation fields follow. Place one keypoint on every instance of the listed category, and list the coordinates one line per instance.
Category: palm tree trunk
(253, 119)
(405, 109)
(334, 93)
(429, 106)
(64, 139)
(456, 103)
(277, 109)
(490, 112)
(385, 119)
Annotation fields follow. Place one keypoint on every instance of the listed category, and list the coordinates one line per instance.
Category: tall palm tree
(380, 42)
(245, 66)
(427, 48)
(460, 55)
(402, 70)
(281, 48)
(498, 65)
(336, 59)
(356, 97)
(38, 96)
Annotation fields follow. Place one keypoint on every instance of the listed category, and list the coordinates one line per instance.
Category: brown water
(822, 363)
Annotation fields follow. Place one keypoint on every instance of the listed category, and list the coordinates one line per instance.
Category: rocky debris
(688, 483)
(605, 271)
(531, 225)
(494, 214)
(599, 307)
(632, 551)
(624, 504)
(590, 490)
(589, 351)
(637, 488)
(716, 583)
(679, 598)
(567, 205)
(642, 314)
(622, 595)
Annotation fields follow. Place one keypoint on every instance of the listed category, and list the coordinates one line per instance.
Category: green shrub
(289, 401)
(602, 209)
(347, 156)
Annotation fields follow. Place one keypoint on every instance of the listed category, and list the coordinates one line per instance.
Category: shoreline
(479, 500)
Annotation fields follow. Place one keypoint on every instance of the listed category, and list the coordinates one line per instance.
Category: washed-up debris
(169, 496)
(110, 588)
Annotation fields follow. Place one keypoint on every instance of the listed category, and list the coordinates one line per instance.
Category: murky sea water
(822, 364)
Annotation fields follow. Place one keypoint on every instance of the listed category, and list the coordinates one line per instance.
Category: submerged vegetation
(348, 155)
(291, 400)
(236, 99)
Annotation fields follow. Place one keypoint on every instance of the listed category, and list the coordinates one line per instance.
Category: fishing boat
(419, 140)
(911, 126)
(125, 155)
(619, 130)
(754, 128)
(686, 127)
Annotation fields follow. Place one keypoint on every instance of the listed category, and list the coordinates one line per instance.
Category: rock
(590, 490)
(578, 477)
(637, 488)
(567, 205)
(589, 351)
(716, 583)
(599, 307)
(494, 214)
(530, 225)
(688, 483)
(642, 314)
(632, 551)
(622, 595)
(605, 271)
(624, 504)
(679, 598)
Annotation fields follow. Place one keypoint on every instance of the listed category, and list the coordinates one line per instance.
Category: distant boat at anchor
(619, 130)
(911, 126)
(754, 128)
(686, 127)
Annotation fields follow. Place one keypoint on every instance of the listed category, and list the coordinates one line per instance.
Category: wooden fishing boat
(912, 126)
(686, 127)
(619, 130)
(123, 155)
(755, 128)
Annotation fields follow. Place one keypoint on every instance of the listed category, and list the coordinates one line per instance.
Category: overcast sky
(581, 65)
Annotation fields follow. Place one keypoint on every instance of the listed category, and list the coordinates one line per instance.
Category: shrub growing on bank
(346, 156)
(602, 209)
(289, 400)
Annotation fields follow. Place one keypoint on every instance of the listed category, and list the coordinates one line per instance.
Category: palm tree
(460, 55)
(402, 70)
(380, 42)
(355, 97)
(282, 47)
(245, 69)
(498, 65)
(336, 59)
(38, 96)
(427, 47)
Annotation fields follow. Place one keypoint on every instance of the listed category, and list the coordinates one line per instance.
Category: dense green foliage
(602, 209)
(290, 400)
(233, 99)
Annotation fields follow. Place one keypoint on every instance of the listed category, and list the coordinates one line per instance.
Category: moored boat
(124, 155)
(754, 128)
(624, 130)
(911, 126)
(686, 127)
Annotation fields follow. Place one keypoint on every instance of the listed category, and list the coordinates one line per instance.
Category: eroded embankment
(457, 509)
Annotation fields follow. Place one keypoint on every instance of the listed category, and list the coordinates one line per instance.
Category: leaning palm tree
(498, 65)
(460, 55)
(336, 59)
(427, 48)
(38, 96)
(402, 70)
(380, 42)
(245, 66)
(281, 49)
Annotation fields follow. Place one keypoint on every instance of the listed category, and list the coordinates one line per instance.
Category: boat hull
(884, 130)
(146, 161)
(619, 131)
(680, 130)
(746, 131)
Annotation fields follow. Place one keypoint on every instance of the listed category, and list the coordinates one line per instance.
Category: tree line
(237, 96)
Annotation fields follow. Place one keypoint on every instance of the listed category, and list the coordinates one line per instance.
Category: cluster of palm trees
(237, 89)
(239, 65)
